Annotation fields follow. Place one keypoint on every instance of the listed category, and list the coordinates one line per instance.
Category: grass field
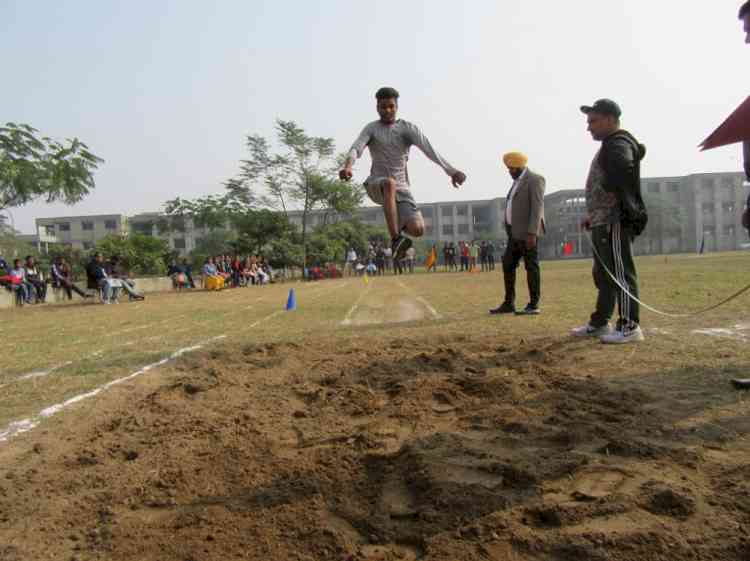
(346, 337)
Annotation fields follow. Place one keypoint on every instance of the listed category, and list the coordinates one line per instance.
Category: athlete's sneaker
(589, 330)
(529, 310)
(628, 334)
(399, 246)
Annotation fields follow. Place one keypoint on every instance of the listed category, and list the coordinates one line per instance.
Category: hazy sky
(165, 91)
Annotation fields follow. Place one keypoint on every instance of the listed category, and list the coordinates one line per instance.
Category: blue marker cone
(291, 302)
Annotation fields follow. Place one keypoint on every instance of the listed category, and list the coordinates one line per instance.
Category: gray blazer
(527, 213)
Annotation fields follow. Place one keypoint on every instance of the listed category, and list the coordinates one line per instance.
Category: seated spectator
(35, 279)
(97, 279)
(212, 279)
(62, 277)
(115, 271)
(179, 275)
(263, 264)
(14, 282)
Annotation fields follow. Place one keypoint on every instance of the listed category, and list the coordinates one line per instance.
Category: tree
(143, 255)
(34, 167)
(302, 175)
(256, 229)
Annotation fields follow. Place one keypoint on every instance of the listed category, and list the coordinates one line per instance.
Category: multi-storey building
(684, 213)
(80, 232)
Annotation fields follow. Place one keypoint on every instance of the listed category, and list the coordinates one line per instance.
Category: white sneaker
(589, 330)
(627, 335)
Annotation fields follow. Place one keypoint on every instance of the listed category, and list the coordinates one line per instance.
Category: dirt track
(443, 451)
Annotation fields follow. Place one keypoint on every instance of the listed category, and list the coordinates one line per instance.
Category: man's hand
(530, 241)
(458, 178)
(345, 174)
(586, 223)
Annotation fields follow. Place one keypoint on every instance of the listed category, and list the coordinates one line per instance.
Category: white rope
(626, 290)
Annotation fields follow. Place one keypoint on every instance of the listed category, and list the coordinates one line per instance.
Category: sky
(167, 90)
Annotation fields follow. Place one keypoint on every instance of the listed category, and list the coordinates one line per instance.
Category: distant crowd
(223, 271)
(29, 284)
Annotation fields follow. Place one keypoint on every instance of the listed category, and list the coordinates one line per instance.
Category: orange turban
(515, 160)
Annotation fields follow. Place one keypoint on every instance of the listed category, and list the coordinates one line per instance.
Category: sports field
(393, 419)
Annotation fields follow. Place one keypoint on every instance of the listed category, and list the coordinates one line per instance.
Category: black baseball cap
(603, 107)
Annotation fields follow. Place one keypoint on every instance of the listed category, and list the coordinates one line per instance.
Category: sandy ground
(402, 434)
(440, 450)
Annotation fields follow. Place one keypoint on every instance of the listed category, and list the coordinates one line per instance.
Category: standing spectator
(464, 256)
(432, 260)
(380, 259)
(491, 255)
(615, 215)
(62, 277)
(35, 278)
(483, 256)
(452, 257)
(388, 256)
(236, 271)
(473, 255)
(446, 256)
(524, 223)
(351, 260)
(411, 258)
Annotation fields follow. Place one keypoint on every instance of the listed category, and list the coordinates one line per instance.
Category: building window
(446, 211)
(87, 226)
(653, 188)
(428, 230)
(110, 224)
(462, 210)
(179, 243)
(673, 187)
(727, 207)
(64, 226)
(198, 242)
(708, 184)
(463, 228)
(88, 245)
(729, 231)
(708, 208)
(447, 229)
(369, 217)
(49, 229)
(427, 212)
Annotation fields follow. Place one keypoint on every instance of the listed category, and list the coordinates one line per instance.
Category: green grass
(96, 344)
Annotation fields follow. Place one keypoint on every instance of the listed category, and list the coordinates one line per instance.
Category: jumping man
(389, 140)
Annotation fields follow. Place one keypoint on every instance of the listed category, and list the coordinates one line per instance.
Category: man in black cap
(616, 214)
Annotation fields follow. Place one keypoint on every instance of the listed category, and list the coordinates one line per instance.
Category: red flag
(568, 248)
(735, 129)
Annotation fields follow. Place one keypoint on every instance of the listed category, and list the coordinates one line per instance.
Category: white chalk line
(423, 301)
(737, 332)
(348, 318)
(25, 425)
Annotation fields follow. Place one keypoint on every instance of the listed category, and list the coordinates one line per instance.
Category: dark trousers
(514, 252)
(491, 259)
(614, 246)
(40, 287)
(69, 288)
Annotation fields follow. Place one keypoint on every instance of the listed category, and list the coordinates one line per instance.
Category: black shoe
(529, 310)
(505, 308)
(399, 246)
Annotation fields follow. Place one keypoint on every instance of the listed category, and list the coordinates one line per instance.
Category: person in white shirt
(351, 259)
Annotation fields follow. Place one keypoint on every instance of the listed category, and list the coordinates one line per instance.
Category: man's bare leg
(415, 227)
(390, 209)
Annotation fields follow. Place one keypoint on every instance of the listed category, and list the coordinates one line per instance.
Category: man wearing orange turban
(524, 223)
